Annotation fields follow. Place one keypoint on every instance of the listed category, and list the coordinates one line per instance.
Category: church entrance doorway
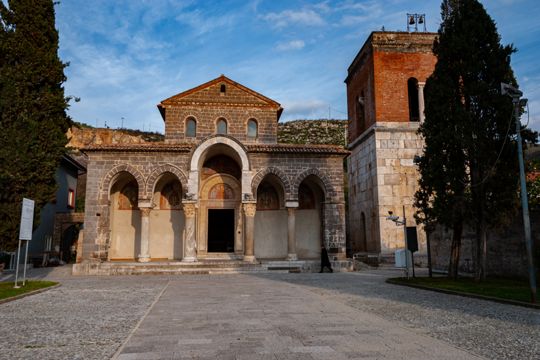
(221, 230)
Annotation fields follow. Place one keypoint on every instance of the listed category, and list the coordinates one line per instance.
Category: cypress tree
(33, 120)
(469, 168)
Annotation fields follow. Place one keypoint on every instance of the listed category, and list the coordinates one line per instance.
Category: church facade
(385, 101)
(218, 187)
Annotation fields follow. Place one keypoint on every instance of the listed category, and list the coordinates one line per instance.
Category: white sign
(27, 219)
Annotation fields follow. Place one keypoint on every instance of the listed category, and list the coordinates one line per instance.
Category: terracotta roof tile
(298, 148)
(149, 147)
(255, 148)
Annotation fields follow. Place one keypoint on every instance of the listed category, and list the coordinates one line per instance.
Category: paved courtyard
(254, 316)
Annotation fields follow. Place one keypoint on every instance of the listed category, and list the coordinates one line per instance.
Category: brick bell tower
(385, 100)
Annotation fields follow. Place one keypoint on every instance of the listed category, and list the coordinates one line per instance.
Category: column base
(249, 258)
(292, 257)
(189, 259)
(143, 258)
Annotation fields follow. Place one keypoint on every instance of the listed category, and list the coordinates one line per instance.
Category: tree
(32, 110)
(469, 169)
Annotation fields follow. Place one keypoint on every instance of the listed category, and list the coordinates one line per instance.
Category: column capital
(421, 84)
(250, 209)
(189, 209)
(145, 211)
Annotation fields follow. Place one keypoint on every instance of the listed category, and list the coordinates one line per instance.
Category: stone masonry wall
(145, 165)
(397, 181)
(362, 172)
(507, 254)
(207, 116)
(101, 164)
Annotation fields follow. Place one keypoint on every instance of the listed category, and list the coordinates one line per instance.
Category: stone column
(249, 213)
(190, 252)
(144, 256)
(291, 233)
(421, 101)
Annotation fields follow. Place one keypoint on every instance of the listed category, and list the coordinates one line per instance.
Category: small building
(385, 102)
(218, 187)
(57, 232)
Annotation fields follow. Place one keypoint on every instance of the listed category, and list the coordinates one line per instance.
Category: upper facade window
(252, 128)
(221, 126)
(191, 127)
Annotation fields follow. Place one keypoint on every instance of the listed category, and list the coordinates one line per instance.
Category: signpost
(25, 233)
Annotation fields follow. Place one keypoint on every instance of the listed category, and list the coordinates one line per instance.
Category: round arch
(111, 176)
(200, 154)
(158, 172)
(327, 187)
(259, 177)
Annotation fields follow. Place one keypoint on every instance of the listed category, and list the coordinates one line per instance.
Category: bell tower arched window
(412, 90)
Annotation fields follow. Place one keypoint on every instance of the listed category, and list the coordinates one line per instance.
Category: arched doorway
(167, 219)
(309, 218)
(271, 220)
(68, 243)
(125, 218)
(220, 220)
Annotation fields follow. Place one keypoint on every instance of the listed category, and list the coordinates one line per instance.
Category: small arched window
(191, 127)
(412, 89)
(221, 126)
(360, 110)
(252, 128)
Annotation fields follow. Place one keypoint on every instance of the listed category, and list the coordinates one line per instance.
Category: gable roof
(189, 97)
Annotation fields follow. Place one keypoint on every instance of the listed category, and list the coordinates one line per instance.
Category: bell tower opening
(221, 230)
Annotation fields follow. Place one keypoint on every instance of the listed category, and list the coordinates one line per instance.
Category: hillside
(330, 132)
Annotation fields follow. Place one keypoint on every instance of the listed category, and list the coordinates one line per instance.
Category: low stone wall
(507, 255)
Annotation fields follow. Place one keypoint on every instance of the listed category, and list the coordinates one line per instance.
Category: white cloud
(203, 23)
(291, 45)
(289, 17)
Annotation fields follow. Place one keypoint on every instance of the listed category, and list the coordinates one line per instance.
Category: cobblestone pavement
(84, 318)
(492, 330)
(260, 316)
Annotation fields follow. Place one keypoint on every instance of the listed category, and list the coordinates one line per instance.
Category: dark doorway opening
(220, 230)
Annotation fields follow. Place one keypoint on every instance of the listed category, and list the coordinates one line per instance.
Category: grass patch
(7, 290)
(509, 289)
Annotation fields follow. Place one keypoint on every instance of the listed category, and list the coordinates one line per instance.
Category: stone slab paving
(259, 316)
(267, 317)
(84, 318)
(489, 329)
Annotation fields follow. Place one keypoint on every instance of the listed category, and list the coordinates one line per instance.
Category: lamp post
(516, 95)
(403, 222)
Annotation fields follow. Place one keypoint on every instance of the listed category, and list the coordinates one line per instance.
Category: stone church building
(219, 187)
(385, 101)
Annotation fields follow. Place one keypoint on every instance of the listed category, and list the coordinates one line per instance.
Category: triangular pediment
(221, 90)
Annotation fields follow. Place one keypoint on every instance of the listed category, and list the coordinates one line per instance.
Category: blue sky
(127, 55)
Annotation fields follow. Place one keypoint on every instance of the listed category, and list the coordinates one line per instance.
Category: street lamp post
(403, 222)
(516, 95)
